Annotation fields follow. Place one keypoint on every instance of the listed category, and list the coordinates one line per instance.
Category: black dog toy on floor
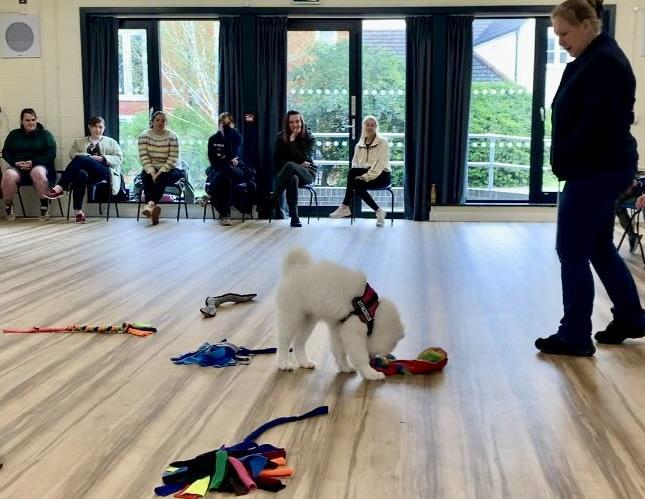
(212, 302)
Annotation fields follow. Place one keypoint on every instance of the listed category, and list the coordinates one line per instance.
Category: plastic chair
(385, 188)
(634, 224)
(240, 188)
(313, 195)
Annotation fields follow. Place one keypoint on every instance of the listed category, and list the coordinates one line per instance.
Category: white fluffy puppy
(311, 292)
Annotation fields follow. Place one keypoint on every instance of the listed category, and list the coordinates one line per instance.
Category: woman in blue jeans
(94, 158)
(594, 152)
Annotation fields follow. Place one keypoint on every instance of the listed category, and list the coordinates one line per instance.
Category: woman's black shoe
(295, 222)
(556, 346)
(617, 332)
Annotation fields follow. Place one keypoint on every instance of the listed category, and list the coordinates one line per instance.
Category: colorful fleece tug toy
(134, 328)
(239, 468)
(430, 360)
(212, 302)
(222, 354)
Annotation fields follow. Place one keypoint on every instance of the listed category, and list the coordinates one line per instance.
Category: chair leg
(185, 208)
(317, 208)
(392, 210)
(107, 217)
(116, 208)
(139, 204)
(69, 200)
(22, 206)
(311, 197)
(204, 215)
(179, 206)
(351, 208)
(60, 207)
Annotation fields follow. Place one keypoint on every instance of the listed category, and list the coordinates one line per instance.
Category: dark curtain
(101, 80)
(230, 69)
(272, 92)
(459, 66)
(418, 117)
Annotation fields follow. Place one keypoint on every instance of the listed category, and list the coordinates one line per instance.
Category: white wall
(52, 83)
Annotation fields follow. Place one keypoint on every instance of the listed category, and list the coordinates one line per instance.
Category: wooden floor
(89, 416)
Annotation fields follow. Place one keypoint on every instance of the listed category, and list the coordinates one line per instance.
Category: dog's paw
(372, 375)
(285, 366)
(307, 364)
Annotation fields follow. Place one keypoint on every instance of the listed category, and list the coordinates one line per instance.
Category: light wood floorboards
(90, 416)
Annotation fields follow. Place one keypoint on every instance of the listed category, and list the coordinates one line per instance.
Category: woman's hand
(155, 175)
(640, 202)
(100, 159)
(24, 165)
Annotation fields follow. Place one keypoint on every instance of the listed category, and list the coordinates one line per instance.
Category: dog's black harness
(365, 308)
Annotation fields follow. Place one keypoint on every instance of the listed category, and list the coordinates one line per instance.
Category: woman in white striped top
(159, 156)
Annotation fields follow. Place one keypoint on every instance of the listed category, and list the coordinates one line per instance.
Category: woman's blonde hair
(577, 11)
(225, 118)
(365, 120)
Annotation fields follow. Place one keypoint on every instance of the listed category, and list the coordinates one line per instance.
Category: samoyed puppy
(310, 292)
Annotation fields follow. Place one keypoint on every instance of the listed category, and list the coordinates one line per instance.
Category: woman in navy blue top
(595, 154)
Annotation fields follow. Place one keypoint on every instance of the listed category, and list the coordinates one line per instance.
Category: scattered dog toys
(135, 328)
(212, 302)
(430, 360)
(223, 354)
(239, 469)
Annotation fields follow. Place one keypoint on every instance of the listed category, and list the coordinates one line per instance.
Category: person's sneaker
(54, 193)
(617, 332)
(554, 345)
(80, 218)
(295, 222)
(341, 212)
(226, 221)
(11, 216)
(380, 217)
(44, 214)
(154, 215)
(633, 241)
(146, 211)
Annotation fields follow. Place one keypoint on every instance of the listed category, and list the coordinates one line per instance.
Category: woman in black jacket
(293, 163)
(226, 170)
(595, 154)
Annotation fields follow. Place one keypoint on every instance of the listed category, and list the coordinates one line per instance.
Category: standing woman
(29, 152)
(294, 165)
(159, 156)
(595, 153)
(94, 158)
(370, 170)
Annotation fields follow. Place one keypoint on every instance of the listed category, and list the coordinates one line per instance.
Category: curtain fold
(230, 69)
(101, 84)
(418, 117)
(459, 64)
(271, 41)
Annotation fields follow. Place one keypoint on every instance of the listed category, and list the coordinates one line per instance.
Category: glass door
(322, 84)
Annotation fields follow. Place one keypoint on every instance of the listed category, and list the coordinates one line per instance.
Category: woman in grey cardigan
(94, 158)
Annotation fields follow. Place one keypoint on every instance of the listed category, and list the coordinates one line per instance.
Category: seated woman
(29, 152)
(94, 158)
(293, 163)
(159, 156)
(226, 169)
(370, 169)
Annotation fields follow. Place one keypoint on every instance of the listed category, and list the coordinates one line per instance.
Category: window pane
(383, 88)
(318, 87)
(189, 89)
(499, 139)
(133, 98)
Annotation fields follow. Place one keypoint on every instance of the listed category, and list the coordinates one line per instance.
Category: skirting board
(493, 213)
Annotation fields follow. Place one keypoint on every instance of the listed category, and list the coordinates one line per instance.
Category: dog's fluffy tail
(295, 259)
